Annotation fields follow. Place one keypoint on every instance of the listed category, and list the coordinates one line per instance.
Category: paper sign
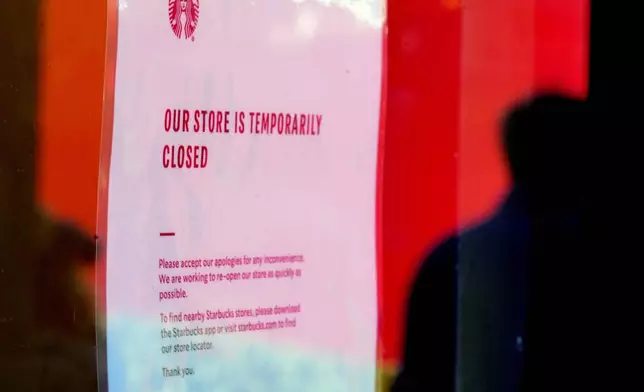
(241, 213)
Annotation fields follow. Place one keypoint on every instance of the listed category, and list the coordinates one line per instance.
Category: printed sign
(241, 203)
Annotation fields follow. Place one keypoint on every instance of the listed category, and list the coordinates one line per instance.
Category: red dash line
(168, 234)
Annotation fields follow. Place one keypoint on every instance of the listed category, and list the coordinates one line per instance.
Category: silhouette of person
(470, 320)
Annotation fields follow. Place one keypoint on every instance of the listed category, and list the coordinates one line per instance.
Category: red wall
(419, 183)
(71, 104)
(454, 67)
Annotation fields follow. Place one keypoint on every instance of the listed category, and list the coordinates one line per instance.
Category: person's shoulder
(440, 261)
(445, 253)
(443, 259)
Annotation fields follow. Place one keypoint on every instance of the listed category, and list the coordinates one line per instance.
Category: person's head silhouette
(548, 147)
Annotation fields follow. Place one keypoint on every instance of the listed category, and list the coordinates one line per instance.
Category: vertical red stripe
(419, 174)
(497, 69)
(561, 48)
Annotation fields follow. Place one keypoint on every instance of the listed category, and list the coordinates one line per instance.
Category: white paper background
(259, 195)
